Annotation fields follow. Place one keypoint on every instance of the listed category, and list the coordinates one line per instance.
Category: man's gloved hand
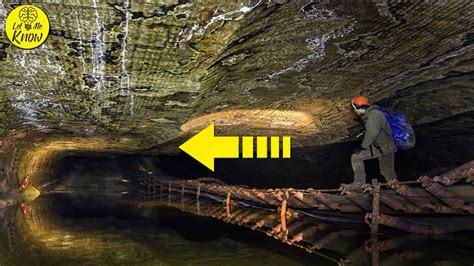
(357, 150)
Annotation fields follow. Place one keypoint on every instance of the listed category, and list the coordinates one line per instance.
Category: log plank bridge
(437, 205)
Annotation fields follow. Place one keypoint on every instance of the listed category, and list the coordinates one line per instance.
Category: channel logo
(27, 26)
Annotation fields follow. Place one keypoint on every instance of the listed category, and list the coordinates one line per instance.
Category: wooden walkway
(394, 204)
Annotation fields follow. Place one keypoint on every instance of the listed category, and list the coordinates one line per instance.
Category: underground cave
(226, 132)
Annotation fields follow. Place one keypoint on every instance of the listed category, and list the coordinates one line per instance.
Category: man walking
(378, 143)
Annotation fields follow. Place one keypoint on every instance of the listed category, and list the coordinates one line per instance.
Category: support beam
(227, 204)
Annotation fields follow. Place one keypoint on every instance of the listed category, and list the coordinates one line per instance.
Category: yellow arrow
(205, 147)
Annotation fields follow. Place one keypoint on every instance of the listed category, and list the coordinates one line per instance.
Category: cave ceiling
(164, 68)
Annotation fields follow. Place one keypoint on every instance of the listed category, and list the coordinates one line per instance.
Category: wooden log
(374, 228)
(465, 171)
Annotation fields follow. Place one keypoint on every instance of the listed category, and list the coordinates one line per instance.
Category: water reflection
(71, 228)
(176, 229)
(339, 243)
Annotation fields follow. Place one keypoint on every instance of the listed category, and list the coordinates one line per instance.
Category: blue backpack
(402, 131)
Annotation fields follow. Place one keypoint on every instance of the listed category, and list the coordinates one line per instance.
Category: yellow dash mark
(226, 147)
(247, 147)
(274, 147)
(262, 147)
(286, 147)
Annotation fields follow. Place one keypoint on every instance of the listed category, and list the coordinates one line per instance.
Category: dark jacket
(378, 132)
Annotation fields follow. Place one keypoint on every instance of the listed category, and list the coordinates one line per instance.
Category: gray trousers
(386, 164)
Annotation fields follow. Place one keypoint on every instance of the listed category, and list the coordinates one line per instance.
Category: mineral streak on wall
(270, 67)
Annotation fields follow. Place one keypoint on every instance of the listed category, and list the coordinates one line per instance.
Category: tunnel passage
(316, 167)
(83, 209)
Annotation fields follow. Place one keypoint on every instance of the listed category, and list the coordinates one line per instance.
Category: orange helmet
(360, 101)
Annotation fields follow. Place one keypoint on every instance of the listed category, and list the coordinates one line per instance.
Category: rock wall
(157, 72)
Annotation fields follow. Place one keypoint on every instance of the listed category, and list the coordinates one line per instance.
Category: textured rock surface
(110, 66)
(415, 58)
(148, 68)
(129, 81)
(153, 71)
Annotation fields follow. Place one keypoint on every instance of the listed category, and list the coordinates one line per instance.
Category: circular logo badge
(27, 26)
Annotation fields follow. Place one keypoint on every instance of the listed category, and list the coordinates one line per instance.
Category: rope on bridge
(450, 193)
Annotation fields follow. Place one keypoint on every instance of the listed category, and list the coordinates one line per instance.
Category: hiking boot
(352, 186)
